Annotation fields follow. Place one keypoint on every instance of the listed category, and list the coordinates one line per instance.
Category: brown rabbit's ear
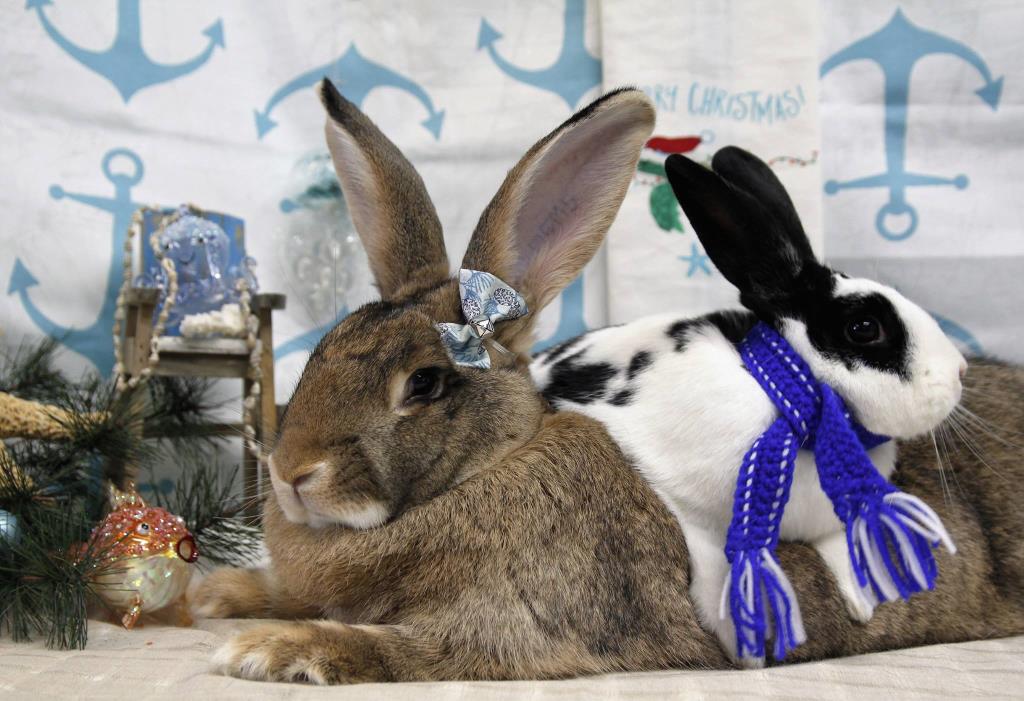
(554, 208)
(390, 207)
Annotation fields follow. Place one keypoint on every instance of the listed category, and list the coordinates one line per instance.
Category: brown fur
(521, 543)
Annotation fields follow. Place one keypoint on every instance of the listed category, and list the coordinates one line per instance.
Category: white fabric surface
(173, 663)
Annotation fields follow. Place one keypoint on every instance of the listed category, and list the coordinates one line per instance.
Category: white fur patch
(365, 515)
(228, 659)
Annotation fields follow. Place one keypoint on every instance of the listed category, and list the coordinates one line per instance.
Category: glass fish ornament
(147, 555)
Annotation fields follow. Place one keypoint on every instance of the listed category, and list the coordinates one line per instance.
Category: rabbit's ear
(762, 254)
(748, 172)
(390, 207)
(554, 208)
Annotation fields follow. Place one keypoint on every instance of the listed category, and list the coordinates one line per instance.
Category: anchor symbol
(570, 317)
(125, 63)
(572, 74)
(960, 334)
(94, 340)
(896, 47)
(355, 76)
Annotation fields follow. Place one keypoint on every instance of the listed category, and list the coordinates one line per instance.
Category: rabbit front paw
(230, 592)
(316, 652)
(833, 549)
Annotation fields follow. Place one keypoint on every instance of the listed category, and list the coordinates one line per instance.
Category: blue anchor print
(125, 64)
(92, 341)
(572, 74)
(958, 333)
(570, 317)
(355, 76)
(697, 260)
(896, 47)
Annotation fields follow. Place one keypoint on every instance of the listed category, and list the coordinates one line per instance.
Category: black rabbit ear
(750, 246)
(748, 172)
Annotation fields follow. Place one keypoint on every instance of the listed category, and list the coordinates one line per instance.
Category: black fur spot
(588, 111)
(622, 398)
(640, 362)
(734, 325)
(581, 383)
(679, 332)
(826, 329)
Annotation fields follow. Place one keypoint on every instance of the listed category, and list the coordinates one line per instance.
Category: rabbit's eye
(425, 383)
(864, 331)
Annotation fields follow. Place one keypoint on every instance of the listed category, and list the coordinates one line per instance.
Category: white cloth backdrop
(935, 90)
(212, 103)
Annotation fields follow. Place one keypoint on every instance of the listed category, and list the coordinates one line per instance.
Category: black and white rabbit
(676, 396)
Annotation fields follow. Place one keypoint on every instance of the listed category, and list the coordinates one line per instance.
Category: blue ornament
(201, 253)
(322, 257)
(9, 530)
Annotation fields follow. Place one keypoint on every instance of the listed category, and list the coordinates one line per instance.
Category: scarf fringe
(902, 525)
(756, 578)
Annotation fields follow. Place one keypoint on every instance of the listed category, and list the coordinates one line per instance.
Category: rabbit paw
(833, 550)
(230, 592)
(317, 652)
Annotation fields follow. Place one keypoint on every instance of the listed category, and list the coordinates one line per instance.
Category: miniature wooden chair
(210, 357)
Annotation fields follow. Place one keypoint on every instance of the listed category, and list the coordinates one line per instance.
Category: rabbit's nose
(963, 369)
(297, 482)
(304, 477)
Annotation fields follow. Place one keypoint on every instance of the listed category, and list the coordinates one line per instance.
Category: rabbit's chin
(358, 517)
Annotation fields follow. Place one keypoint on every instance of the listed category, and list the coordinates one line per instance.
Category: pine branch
(56, 488)
(45, 585)
(27, 371)
(203, 497)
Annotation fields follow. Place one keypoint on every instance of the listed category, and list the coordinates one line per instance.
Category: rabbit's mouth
(301, 506)
(359, 517)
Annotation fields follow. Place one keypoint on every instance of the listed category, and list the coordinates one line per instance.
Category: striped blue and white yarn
(890, 535)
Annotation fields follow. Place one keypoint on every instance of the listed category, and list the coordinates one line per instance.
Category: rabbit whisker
(980, 424)
(963, 433)
(944, 439)
(946, 494)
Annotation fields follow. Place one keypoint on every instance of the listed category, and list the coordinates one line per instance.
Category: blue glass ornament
(9, 531)
(201, 253)
(323, 259)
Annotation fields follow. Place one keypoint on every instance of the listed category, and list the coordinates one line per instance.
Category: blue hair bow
(486, 300)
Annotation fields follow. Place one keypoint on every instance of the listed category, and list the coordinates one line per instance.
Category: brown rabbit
(464, 530)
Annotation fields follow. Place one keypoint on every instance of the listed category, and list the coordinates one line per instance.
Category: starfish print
(698, 261)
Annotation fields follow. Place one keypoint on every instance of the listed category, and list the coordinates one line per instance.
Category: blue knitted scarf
(890, 535)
